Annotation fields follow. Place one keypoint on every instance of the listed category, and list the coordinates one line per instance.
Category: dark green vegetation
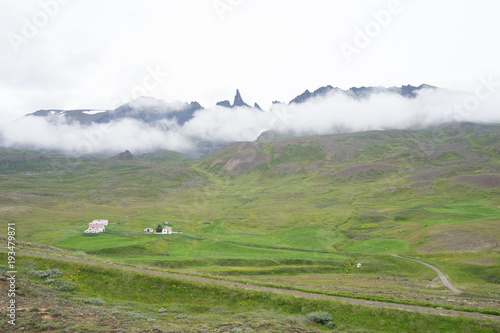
(300, 212)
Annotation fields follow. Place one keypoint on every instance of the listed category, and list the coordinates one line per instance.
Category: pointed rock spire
(238, 101)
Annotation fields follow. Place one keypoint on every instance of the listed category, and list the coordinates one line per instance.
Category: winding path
(441, 275)
(354, 301)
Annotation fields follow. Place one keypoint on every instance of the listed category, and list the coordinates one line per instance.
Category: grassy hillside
(279, 206)
(64, 296)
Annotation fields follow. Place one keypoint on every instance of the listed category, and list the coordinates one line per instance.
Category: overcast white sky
(72, 54)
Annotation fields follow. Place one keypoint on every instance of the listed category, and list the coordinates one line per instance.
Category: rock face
(225, 103)
(238, 101)
(302, 97)
(145, 109)
(407, 91)
(151, 110)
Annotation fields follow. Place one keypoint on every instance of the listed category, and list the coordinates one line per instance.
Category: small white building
(148, 230)
(165, 231)
(95, 228)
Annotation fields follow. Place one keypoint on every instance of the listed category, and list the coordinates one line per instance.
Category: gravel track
(441, 275)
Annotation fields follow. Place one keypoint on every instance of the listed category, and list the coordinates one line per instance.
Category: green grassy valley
(297, 212)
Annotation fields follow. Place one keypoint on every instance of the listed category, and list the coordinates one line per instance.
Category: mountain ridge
(151, 110)
(192, 129)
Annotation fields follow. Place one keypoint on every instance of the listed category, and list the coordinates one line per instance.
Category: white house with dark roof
(96, 226)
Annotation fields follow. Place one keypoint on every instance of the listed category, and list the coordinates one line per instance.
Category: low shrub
(61, 285)
(319, 317)
(135, 315)
(330, 325)
(50, 273)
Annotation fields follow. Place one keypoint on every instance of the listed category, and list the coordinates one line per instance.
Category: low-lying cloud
(328, 114)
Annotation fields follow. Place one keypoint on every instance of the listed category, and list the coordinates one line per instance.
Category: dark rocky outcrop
(125, 156)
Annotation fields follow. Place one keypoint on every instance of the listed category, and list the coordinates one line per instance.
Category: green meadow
(377, 245)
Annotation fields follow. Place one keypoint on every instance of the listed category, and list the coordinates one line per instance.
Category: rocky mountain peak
(238, 101)
(126, 156)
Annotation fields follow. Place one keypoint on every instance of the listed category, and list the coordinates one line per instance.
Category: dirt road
(414, 308)
(441, 275)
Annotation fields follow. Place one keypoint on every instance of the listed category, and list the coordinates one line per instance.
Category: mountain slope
(444, 149)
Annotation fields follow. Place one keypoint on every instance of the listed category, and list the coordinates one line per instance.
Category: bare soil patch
(246, 156)
(356, 170)
(441, 171)
(287, 168)
(482, 181)
(460, 240)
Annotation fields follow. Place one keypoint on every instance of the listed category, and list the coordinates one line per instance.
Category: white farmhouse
(95, 228)
(165, 231)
